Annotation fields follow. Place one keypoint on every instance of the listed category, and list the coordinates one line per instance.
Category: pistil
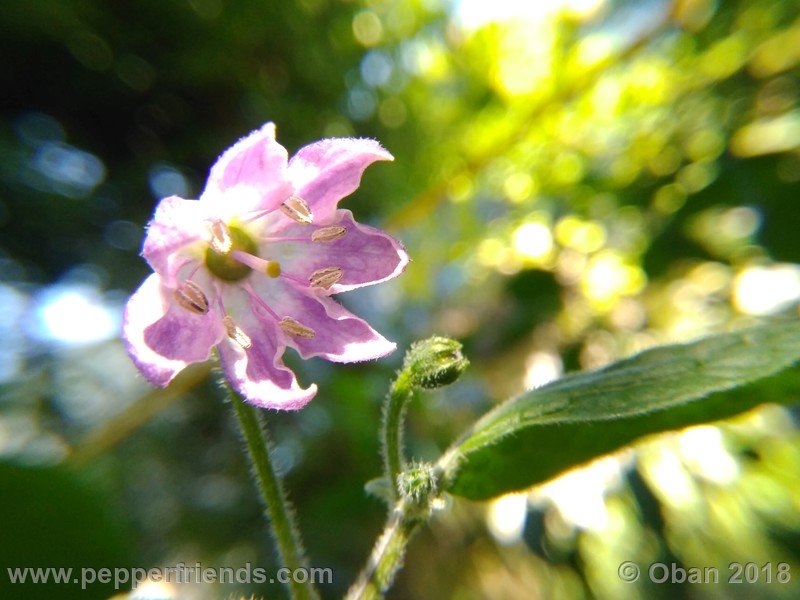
(225, 242)
(268, 267)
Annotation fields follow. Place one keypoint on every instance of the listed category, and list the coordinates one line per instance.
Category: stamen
(258, 303)
(236, 334)
(273, 240)
(296, 329)
(218, 290)
(191, 297)
(254, 215)
(196, 268)
(221, 241)
(328, 234)
(295, 278)
(296, 209)
(325, 278)
(182, 263)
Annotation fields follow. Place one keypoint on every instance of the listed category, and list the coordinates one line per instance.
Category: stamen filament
(273, 240)
(196, 267)
(295, 278)
(184, 262)
(257, 214)
(255, 297)
(222, 310)
(218, 297)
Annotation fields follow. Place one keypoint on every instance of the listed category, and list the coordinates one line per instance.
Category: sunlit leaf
(544, 431)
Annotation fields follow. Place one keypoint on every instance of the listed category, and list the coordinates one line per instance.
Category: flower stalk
(387, 555)
(394, 410)
(282, 523)
(428, 364)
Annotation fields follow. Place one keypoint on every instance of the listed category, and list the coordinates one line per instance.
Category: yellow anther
(221, 241)
(296, 329)
(236, 334)
(296, 209)
(328, 234)
(325, 278)
(191, 297)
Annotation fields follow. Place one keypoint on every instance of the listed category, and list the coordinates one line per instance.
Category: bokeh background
(575, 180)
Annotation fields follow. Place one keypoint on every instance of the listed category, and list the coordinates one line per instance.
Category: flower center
(219, 254)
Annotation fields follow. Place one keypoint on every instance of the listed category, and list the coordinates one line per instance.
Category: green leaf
(535, 436)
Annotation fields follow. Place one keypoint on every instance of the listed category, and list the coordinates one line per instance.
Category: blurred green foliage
(575, 181)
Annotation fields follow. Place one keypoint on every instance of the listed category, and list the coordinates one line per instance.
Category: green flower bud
(435, 362)
(418, 485)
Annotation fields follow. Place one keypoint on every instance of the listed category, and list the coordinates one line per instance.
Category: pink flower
(251, 265)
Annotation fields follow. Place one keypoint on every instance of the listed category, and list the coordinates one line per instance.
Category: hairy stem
(428, 364)
(281, 514)
(387, 556)
(392, 429)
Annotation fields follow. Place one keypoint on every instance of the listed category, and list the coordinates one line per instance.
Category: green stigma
(219, 259)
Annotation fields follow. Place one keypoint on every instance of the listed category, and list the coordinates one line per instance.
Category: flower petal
(258, 373)
(162, 337)
(326, 171)
(365, 254)
(339, 335)
(249, 176)
(175, 224)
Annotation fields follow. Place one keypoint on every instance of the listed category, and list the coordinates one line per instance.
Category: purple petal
(339, 335)
(365, 254)
(258, 373)
(162, 337)
(251, 175)
(328, 170)
(176, 223)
